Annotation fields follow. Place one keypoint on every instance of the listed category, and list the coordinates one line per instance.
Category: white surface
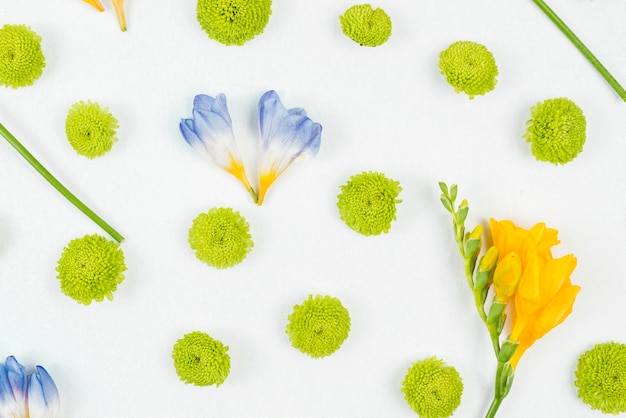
(385, 109)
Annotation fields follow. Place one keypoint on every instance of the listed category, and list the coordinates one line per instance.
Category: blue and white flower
(27, 396)
(210, 132)
(287, 135)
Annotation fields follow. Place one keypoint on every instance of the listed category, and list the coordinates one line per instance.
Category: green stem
(498, 397)
(493, 408)
(57, 185)
(582, 48)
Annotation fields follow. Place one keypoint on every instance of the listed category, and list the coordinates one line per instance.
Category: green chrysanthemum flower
(557, 130)
(366, 26)
(432, 389)
(221, 238)
(367, 202)
(319, 326)
(90, 129)
(21, 58)
(90, 268)
(233, 22)
(469, 67)
(601, 378)
(201, 360)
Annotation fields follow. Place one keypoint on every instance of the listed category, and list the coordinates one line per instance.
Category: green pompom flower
(367, 202)
(469, 67)
(432, 389)
(201, 360)
(557, 130)
(90, 268)
(601, 378)
(319, 326)
(90, 129)
(366, 26)
(21, 58)
(221, 237)
(233, 22)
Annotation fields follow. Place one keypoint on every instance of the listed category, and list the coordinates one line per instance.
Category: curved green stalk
(504, 381)
(582, 48)
(57, 185)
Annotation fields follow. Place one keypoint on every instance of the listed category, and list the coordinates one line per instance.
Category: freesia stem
(493, 408)
(582, 48)
(57, 185)
(498, 396)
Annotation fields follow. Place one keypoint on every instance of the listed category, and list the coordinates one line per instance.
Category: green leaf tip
(365, 25)
(469, 67)
(21, 58)
(90, 268)
(90, 129)
(220, 238)
(233, 22)
(432, 389)
(319, 326)
(367, 202)
(201, 360)
(601, 377)
(557, 130)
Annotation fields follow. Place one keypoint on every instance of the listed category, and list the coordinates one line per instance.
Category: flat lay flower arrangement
(262, 208)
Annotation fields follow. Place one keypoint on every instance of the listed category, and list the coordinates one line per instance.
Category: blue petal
(215, 105)
(210, 132)
(17, 376)
(297, 133)
(188, 130)
(271, 112)
(210, 126)
(43, 396)
(286, 134)
(13, 381)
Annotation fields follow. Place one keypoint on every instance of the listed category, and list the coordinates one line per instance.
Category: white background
(385, 109)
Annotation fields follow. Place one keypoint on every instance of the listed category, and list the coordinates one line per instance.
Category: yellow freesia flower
(545, 295)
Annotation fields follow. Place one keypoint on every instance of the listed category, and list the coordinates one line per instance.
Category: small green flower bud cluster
(90, 268)
(367, 203)
(21, 58)
(220, 238)
(365, 25)
(432, 389)
(201, 360)
(601, 378)
(319, 326)
(233, 22)
(90, 129)
(469, 67)
(557, 130)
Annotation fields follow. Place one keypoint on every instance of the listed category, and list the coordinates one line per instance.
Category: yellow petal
(119, 11)
(96, 4)
(265, 181)
(236, 169)
(555, 312)
(528, 329)
(544, 237)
